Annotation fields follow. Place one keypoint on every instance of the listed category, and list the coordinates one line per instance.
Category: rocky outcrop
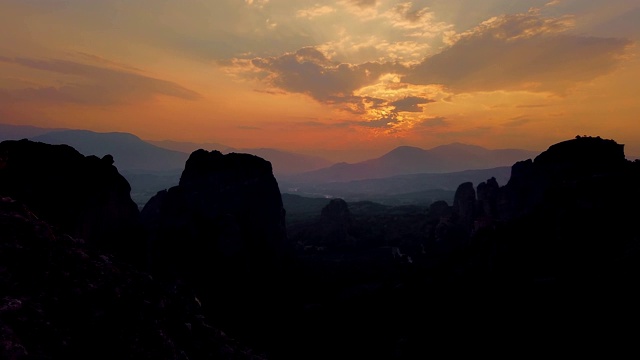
(335, 224)
(571, 211)
(330, 232)
(464, 204)
(487, 205)
(550, 181)
(581, 157)
(223, 223)
(558, 172)
(437, 221)
(564, 217)
(83, 196)
(336, 210)
(63, 300)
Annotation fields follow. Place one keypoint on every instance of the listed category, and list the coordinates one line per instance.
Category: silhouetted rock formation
(565, 165)
(580, 157)
(226, 214)
(564, 217)
(331, 231)
(222, 231)
(335, 224)
(488, 198)
(437, 221)
(563, 231)
(464, 203)
(336, 210)
(571, 212)
(85, 197)
(62, 300)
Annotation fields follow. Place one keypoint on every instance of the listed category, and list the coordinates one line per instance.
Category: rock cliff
(564, 217)
(221, 232)
(225, 216)
(84, 196)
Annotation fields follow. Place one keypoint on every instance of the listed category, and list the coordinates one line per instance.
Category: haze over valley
(405, 175)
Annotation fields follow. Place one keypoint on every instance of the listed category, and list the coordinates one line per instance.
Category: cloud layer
(372, 71)
(515, 52)
(521, 51)
(96, 85)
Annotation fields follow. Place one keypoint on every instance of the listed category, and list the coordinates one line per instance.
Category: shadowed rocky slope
(84, 196)
(554, 251)
(62, 300)
(557, 248)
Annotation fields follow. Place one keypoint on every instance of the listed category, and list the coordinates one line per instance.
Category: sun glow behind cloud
(346, 74)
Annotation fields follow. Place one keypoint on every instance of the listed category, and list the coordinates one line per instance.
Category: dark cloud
(95, 84)
(410, 103)
(512, 52)
(356, 104)
(383, 122)
(363, 3)
(309, 71)
(521, 51)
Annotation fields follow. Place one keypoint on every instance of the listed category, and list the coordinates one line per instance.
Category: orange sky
(360, 75)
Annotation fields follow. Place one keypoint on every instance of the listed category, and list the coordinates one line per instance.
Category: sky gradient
(310, 76)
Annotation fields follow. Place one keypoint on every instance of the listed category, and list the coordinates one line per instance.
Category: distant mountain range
(128, 150)
(19, 132)
(134, 154)
(283, 162)
(187, 147)
(412, 160)
(151, 166)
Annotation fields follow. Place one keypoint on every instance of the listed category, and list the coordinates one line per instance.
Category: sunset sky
(358, 75)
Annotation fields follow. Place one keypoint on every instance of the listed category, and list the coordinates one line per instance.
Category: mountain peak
(92, 134)
(404, 151)
(413, 160)
(130, 152)
(458, 146)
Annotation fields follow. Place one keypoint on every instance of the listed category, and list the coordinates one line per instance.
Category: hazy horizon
(339, 155)
(332, 155)
(355, 78)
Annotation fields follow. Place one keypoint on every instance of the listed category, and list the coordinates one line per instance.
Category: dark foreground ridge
(84, 196)
(564, 221)
(557, 248)
(62, 300)
(555, 251)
